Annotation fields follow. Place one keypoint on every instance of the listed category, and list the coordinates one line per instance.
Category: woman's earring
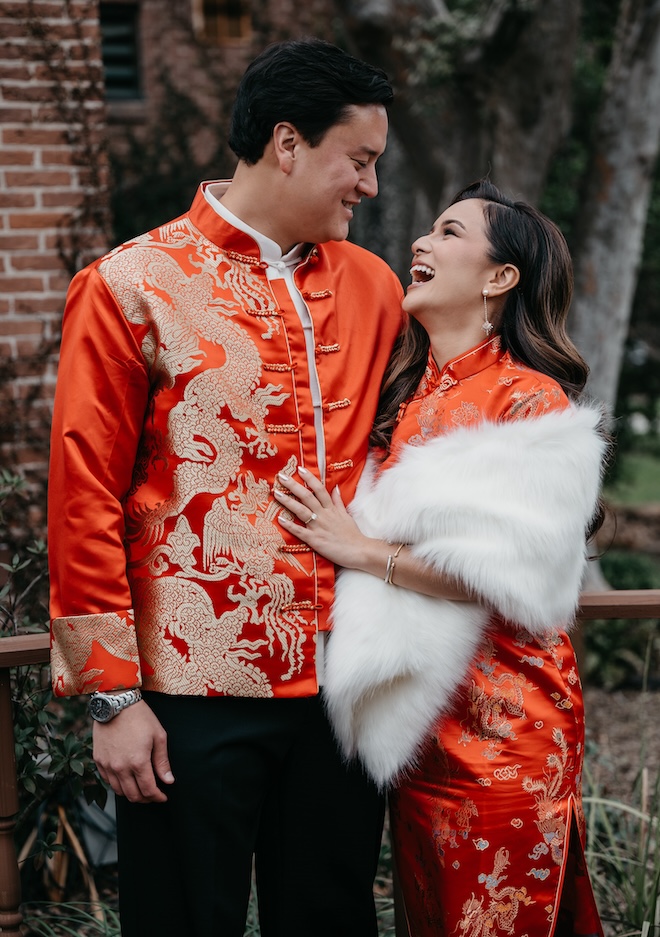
(487, 326)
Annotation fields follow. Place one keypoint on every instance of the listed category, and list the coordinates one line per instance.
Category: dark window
(226, 20)
(119, 49)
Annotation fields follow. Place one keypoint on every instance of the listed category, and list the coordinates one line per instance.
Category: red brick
(65, 29)
(61, 199)
(15, 9)
(34, 92)
(27, 368)
(32, 177)
(29, 456)
(47, 9)
(58, 283)
(17, 157)
(37, 220)
(15, 114)
(16, 200)
(19, 242)
(47, 114)
(21, 327)
(21, 284)
(12, 30)
(51, 305)
(62, 156)
(64, 241)
(10, 50)
(17, 72)
(41, 261)
(27, 348)
(4, 306)
(29, 136)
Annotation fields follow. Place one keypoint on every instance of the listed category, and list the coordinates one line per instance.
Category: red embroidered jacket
(183, 389)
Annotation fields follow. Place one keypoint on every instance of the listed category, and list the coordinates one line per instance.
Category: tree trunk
(486, 95)
(613, 213)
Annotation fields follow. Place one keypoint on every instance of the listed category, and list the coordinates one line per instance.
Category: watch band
(105, 706)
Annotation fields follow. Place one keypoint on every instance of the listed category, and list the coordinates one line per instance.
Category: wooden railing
(34, 649)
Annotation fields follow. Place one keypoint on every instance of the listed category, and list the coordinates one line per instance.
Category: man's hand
(130, 751)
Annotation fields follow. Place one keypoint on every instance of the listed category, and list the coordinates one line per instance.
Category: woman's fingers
(302, 511)
(316, 486)
(313, 492)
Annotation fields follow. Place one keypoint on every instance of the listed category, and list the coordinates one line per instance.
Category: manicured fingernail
(285, 477)
(278, 491)
(303, 470)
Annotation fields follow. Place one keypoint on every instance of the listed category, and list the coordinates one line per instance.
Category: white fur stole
(503, 507)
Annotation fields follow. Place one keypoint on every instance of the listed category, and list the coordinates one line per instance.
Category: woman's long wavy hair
(533, 327)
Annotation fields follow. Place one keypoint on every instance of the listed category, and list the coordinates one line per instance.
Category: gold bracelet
(391, 563)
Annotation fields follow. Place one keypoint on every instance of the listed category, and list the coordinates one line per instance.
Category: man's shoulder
(134, 252)
(164, 235)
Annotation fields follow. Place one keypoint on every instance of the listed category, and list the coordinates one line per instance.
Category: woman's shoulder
(530, 393)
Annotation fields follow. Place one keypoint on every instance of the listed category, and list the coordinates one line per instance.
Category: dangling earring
(487, 326)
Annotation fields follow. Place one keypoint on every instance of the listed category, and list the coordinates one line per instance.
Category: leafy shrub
(51, 739)
(622, 652)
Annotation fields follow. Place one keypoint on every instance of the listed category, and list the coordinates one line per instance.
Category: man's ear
(504, 279)
(285, 140)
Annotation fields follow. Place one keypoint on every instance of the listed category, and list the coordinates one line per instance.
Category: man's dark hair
(309, 83)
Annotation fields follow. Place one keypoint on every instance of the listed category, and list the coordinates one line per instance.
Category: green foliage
(622, 652)
(156, 175)
(637, 479)
(435, 44)
(53, 755)
(623, 854)
(60, 919)
(639, 381)
(562, 195)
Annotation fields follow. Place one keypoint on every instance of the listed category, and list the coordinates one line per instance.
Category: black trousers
(258, 777)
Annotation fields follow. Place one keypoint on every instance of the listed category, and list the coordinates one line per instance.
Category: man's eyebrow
(368, 151)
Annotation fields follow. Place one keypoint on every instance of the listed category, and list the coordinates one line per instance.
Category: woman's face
(451, 267)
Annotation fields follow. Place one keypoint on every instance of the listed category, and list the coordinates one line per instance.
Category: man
(243, 339)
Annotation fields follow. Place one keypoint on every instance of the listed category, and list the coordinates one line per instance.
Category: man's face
(327, 181)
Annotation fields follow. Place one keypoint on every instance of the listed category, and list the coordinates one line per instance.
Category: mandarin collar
(235, 240)
(467, 364)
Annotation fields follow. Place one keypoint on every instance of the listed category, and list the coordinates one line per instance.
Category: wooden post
(10, 883)
(15, 651)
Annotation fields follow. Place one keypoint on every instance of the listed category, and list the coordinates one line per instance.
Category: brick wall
(53, 205)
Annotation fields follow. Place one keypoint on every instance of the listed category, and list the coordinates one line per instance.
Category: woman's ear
(504, 279)
(285, 140)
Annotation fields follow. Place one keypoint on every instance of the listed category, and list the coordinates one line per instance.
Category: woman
(448, 670)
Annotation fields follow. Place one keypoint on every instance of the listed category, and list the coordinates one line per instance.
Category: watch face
(101, 709)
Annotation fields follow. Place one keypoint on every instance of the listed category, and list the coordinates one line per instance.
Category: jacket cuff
(94, 652)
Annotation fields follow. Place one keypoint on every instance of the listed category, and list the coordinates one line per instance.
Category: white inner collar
(270, 250)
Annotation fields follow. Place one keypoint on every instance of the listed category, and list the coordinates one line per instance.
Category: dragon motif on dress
(548, 793)
(489, 709)
(499, 916)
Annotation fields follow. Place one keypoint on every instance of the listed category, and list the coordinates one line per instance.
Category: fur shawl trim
(503, 507)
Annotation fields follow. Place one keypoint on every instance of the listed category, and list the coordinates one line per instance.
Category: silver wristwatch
(105, 706)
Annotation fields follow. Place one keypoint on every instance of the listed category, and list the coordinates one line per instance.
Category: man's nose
(368, 184)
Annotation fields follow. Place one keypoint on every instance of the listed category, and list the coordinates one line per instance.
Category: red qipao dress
(486, 818)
